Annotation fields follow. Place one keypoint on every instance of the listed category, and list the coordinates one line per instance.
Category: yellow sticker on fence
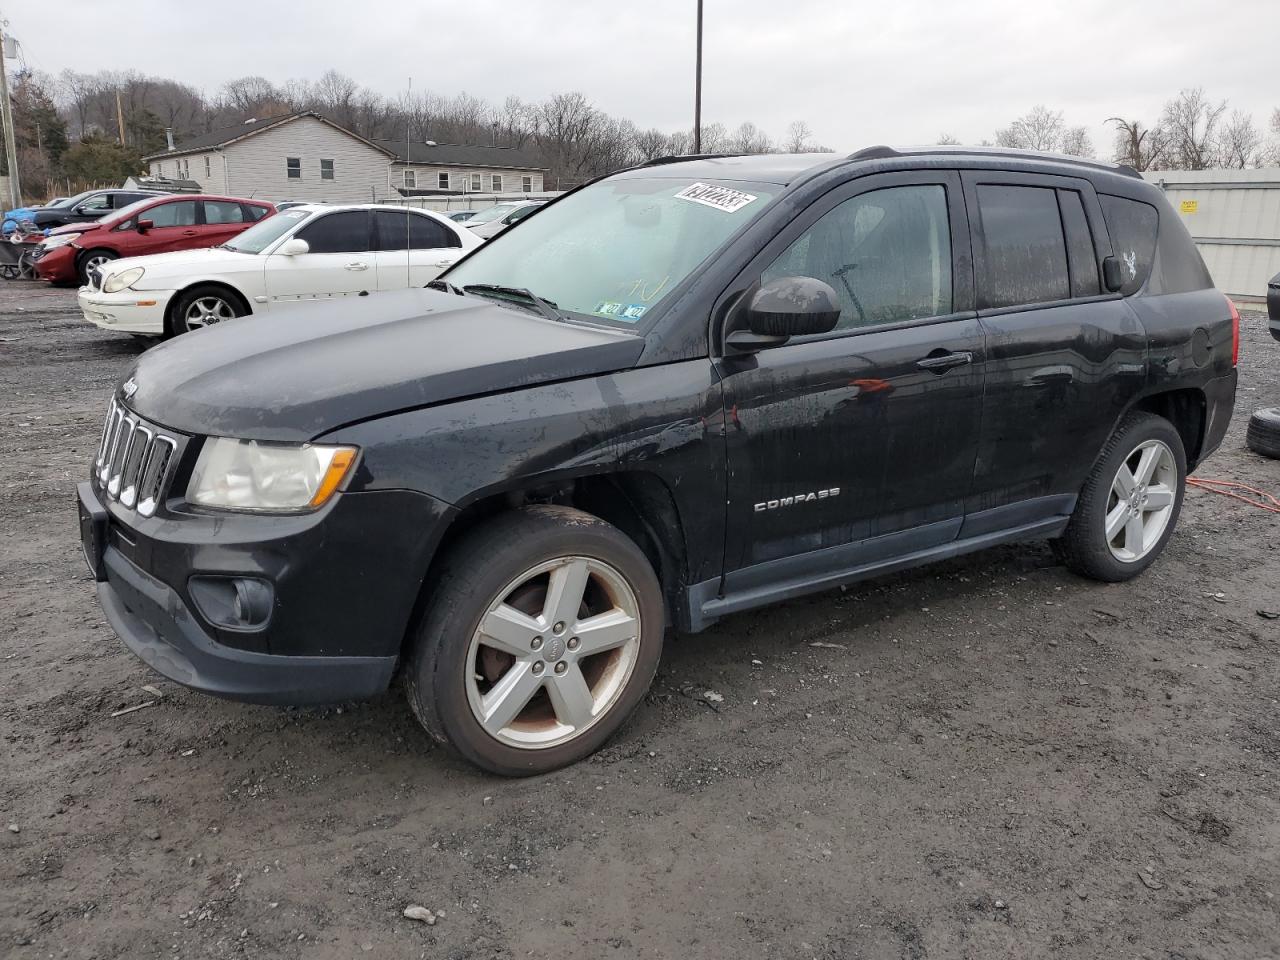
(1189, 206)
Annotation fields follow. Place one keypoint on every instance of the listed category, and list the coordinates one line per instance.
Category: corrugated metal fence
(1234, 216)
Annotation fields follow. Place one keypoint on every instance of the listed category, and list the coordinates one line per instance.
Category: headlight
(273, 477)
(60, 240)
(118, 281)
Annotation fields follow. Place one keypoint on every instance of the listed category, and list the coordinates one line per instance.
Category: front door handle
(941, 362)
(188, 233)
(357, 266)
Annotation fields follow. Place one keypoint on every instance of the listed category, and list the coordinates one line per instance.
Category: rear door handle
(357, 266)
(941, 362)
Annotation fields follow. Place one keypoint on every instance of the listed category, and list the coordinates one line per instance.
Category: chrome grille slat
(134, 459)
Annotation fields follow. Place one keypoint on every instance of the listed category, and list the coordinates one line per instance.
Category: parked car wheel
(90, 260)
(544, 634)
(1263, 435)
(204, 306)
(1129, 506)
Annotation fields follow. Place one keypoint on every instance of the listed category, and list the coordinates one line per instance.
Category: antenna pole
(697, 90)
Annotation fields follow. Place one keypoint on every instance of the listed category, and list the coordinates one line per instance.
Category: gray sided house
(305, 156)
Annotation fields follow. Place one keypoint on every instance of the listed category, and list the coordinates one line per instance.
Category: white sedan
(308, 252)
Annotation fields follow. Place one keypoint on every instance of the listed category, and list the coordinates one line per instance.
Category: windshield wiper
(445, 286)
(545, 307)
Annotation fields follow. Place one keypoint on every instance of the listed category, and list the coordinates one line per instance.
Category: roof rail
(881, 152)
(680, 158)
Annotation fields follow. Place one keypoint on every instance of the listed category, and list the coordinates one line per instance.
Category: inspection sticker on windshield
(722, 198)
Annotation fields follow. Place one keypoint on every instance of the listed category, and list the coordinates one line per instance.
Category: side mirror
(145, 225)
(294, 247)
(1112, 275)
(787, 307)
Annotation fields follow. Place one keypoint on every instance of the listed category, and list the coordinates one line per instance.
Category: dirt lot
(989, 758)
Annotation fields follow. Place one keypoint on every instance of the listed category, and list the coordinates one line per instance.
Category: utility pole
(6, 115)
(697, 90)
(120, 116)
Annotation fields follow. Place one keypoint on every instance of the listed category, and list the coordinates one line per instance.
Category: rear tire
(1264, 432)
(1129, 506)
(590, 604)
(204, 306)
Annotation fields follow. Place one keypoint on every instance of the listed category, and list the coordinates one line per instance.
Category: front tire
(1129, 506)
(204, 306)
(91, 260)
(543, 635)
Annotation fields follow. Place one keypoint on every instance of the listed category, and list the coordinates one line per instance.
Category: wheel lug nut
(538, 668)
(573, 643)
(537, 643)
(561, 667)
(558, 628)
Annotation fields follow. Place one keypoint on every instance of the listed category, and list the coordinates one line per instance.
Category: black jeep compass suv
(682, 391)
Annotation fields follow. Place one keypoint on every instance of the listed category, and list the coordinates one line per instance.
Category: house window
(293, 167)
(443, 182)
(477, 182)
(496, 182)
(410, 180)
(526, 184)
(208, 168)
(326, 169)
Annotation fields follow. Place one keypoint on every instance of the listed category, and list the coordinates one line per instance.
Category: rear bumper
(156, 625)
(1220, 402)
(129, 311)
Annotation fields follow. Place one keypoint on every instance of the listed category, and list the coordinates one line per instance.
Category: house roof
(228, 135)
(460, 155)
(437, 154)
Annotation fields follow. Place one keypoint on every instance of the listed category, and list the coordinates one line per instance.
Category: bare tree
(749, 138)
(1240, 144)
(1192, 121)
(947, 140)
(1142, 148)
(1041, 129)
(798, 137)
(1076, 142)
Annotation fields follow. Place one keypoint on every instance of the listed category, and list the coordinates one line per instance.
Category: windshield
(491, 213)
(613, 250)
(266, 232)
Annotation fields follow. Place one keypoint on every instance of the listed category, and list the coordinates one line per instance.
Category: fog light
(237, 603)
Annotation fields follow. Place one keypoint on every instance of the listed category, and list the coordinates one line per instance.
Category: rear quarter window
(1133, 226)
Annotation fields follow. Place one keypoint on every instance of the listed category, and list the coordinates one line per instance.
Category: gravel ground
(988, 758)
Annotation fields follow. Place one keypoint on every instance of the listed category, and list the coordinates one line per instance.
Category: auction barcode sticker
(722, 198)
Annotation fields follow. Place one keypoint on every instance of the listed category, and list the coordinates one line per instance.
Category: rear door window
(1024, 251)
(223, 211)
(1132, 225)
(343, 232)
(398, 230)
(1082, 256)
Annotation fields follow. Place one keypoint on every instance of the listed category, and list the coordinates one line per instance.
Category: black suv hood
(296, 373)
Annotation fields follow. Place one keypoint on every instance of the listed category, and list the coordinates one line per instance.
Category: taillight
(1235, 332)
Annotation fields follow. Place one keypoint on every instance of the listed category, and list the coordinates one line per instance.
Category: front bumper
(344, 588)
(129, 311)
(58, 264)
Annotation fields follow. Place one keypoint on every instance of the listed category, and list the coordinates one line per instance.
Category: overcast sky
(901, 71)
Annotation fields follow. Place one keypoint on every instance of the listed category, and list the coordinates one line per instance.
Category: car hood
(75, 227)
(184, 261)
(306, 370)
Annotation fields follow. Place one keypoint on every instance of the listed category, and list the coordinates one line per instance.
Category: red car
(155, 225)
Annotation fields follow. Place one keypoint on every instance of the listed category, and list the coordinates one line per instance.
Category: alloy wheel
(206, 310)
(553, 652)
(1141, 501)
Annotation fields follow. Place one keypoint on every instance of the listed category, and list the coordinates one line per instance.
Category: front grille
(134, 459)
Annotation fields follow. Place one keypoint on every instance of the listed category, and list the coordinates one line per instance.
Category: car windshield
(491, 213)
(612, 251)
(266, 232)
